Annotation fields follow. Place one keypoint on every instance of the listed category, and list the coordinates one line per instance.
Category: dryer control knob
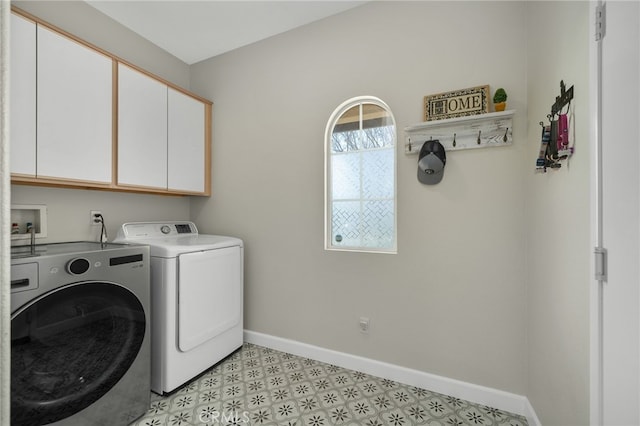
(165, 229)
(78, 266)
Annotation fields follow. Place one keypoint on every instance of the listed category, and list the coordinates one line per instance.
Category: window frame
(328, 198)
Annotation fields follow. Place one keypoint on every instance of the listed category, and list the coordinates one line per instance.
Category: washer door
(69, 347)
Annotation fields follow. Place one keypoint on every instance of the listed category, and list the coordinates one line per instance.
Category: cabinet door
(23, 96)
(186, 143)
(142, 129)
(74, 107)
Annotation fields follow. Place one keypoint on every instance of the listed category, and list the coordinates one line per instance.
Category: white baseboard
(495, 398)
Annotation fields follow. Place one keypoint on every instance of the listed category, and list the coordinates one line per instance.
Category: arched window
(360, 177)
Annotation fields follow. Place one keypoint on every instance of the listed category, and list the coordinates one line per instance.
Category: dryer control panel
(183, 228)
(145, 230)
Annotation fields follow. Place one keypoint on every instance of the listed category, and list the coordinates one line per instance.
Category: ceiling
(197, 30)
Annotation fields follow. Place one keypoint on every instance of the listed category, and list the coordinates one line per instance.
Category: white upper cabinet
(161, 135)
(23, 96)
(74, 110)
(142, 129)
(69, 97)
(186, 143)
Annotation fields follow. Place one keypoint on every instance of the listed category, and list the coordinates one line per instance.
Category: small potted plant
(500, 99)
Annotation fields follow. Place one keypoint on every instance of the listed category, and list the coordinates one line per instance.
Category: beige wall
(68, 209)
(452, 301)
(558, 206)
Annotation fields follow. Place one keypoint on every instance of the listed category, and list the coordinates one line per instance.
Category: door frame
(600, 328)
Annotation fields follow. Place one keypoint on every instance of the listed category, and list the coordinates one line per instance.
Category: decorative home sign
(459, 103)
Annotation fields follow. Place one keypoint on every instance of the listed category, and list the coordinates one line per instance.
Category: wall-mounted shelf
(35, 214)
(477, 131)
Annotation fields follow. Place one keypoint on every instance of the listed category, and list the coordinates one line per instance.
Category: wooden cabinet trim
(208, 109)
(77, 184)
(114, 124)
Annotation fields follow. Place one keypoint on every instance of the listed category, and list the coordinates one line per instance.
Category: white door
(621, 214)
(74, 107)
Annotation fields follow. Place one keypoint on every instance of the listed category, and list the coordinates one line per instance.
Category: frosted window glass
(345, 172)
(361, 177)
(378, 174)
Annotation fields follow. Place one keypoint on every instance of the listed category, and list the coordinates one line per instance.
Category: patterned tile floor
(262, 386)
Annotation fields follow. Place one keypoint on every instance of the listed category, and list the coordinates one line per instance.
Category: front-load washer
(80, 334)
(196, 293)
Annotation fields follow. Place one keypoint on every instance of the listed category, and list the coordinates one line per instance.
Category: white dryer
(196, 298)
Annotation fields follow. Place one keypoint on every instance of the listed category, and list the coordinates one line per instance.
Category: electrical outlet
(93, 220)
(364, 325)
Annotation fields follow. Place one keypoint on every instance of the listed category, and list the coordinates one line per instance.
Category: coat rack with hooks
(557, 136)
(565, 97)
(477, 131)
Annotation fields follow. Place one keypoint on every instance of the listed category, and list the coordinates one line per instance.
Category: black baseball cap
(431, 162)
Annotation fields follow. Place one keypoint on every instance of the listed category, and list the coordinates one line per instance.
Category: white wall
(558, 219)
(68, 209)
(452, 301)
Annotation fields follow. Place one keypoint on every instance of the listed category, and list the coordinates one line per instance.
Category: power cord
(103, 231)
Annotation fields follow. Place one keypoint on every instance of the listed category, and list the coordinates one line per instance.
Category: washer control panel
(57, 265)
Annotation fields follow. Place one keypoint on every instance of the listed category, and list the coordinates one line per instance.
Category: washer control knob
(165, 229)
(78, 266)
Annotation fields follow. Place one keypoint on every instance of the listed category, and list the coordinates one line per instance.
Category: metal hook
(454, 139)
(504, 139)
(568, 107)
(479, 133)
